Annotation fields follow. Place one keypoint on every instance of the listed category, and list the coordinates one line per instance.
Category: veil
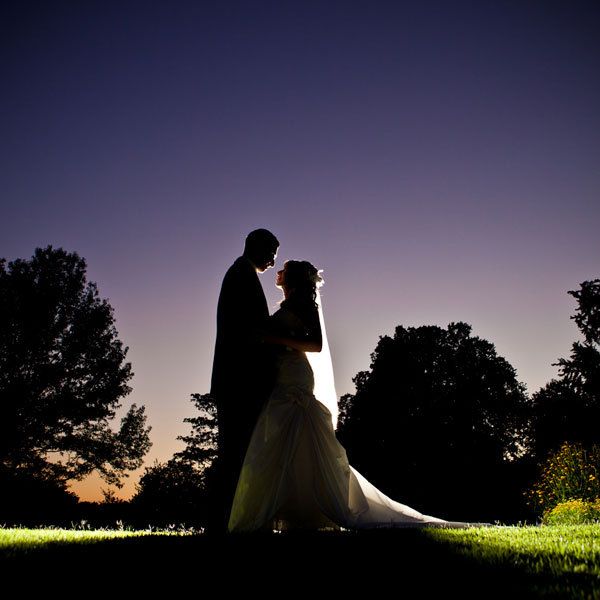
(320, 363)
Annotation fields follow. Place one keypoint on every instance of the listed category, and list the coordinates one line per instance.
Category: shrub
(572, 472)
(172, 492)
(573, 512)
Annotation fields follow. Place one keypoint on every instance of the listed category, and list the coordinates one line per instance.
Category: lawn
(565, 558)
(496, 562)
(18, 542)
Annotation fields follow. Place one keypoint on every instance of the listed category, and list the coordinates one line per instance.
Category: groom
(243, 369)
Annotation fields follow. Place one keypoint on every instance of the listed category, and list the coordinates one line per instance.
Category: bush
(571, 473)
(573, 512)
(171, 492)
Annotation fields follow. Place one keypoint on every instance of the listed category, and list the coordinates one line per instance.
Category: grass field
(566, 558)
(497, 562)
(17, 542)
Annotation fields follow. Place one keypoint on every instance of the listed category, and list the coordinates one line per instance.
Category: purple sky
(439, 160)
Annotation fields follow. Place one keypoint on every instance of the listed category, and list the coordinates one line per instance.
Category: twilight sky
(438, 159)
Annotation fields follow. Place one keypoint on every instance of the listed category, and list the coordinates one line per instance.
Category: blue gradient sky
(439, 160)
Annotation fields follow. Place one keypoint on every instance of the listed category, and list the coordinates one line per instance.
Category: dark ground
(400, 563)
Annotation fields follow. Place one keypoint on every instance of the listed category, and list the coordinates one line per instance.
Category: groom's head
(261, 248)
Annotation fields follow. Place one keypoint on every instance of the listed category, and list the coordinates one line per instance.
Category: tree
(179, 489)
(201, 444)
(568, 408)
(436, 420)
(171, 492)
(62, 374)
(582, 370)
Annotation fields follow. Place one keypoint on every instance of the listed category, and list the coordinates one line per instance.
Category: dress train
(296, 474)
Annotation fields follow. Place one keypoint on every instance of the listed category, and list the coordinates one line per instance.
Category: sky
(439, 160)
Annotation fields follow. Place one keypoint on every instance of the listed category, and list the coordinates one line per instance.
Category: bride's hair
(301, 282)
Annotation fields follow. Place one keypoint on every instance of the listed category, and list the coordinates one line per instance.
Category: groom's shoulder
(241, 265)
(241, 269)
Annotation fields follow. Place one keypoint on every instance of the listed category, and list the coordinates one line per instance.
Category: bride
(296, 474)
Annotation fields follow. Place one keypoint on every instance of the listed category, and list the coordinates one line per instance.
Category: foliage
(568, 408)
(110, 497)
(572, 472)
(201, 444)
(573, 512)
(172, 491)
(178, 490)
(62, 374)
(436, 420)
(582, 367)
(30, 498)
(172, 479)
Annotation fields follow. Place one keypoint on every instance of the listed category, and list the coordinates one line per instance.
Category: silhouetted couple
(281, 466)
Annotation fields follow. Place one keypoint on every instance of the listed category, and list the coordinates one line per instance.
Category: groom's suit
(242, 375)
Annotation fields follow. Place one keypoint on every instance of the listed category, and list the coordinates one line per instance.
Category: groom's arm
(241, 305)
(303, 344)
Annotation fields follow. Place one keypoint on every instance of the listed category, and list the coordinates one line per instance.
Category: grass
(496, 562)
(556, 549)
(18, 541)
(565, 558)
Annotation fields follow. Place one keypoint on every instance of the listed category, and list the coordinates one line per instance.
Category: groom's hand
(304, 344)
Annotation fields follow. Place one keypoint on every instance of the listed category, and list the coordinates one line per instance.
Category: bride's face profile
(280, 281)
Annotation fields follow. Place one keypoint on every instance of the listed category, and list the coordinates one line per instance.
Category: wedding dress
(296, 474)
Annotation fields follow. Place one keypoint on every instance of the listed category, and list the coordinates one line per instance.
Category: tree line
(439, 421)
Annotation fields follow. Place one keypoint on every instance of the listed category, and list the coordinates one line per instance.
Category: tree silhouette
(568, 408)
(62, 375)
(179, 490)
(436, 420)
(202, 443)
(172, 492)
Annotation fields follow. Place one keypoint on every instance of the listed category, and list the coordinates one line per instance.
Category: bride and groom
(281, 466)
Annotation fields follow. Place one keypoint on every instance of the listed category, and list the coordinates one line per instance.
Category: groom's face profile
(266, 260)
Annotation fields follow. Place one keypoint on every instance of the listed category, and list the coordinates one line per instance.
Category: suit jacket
(242, 367)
